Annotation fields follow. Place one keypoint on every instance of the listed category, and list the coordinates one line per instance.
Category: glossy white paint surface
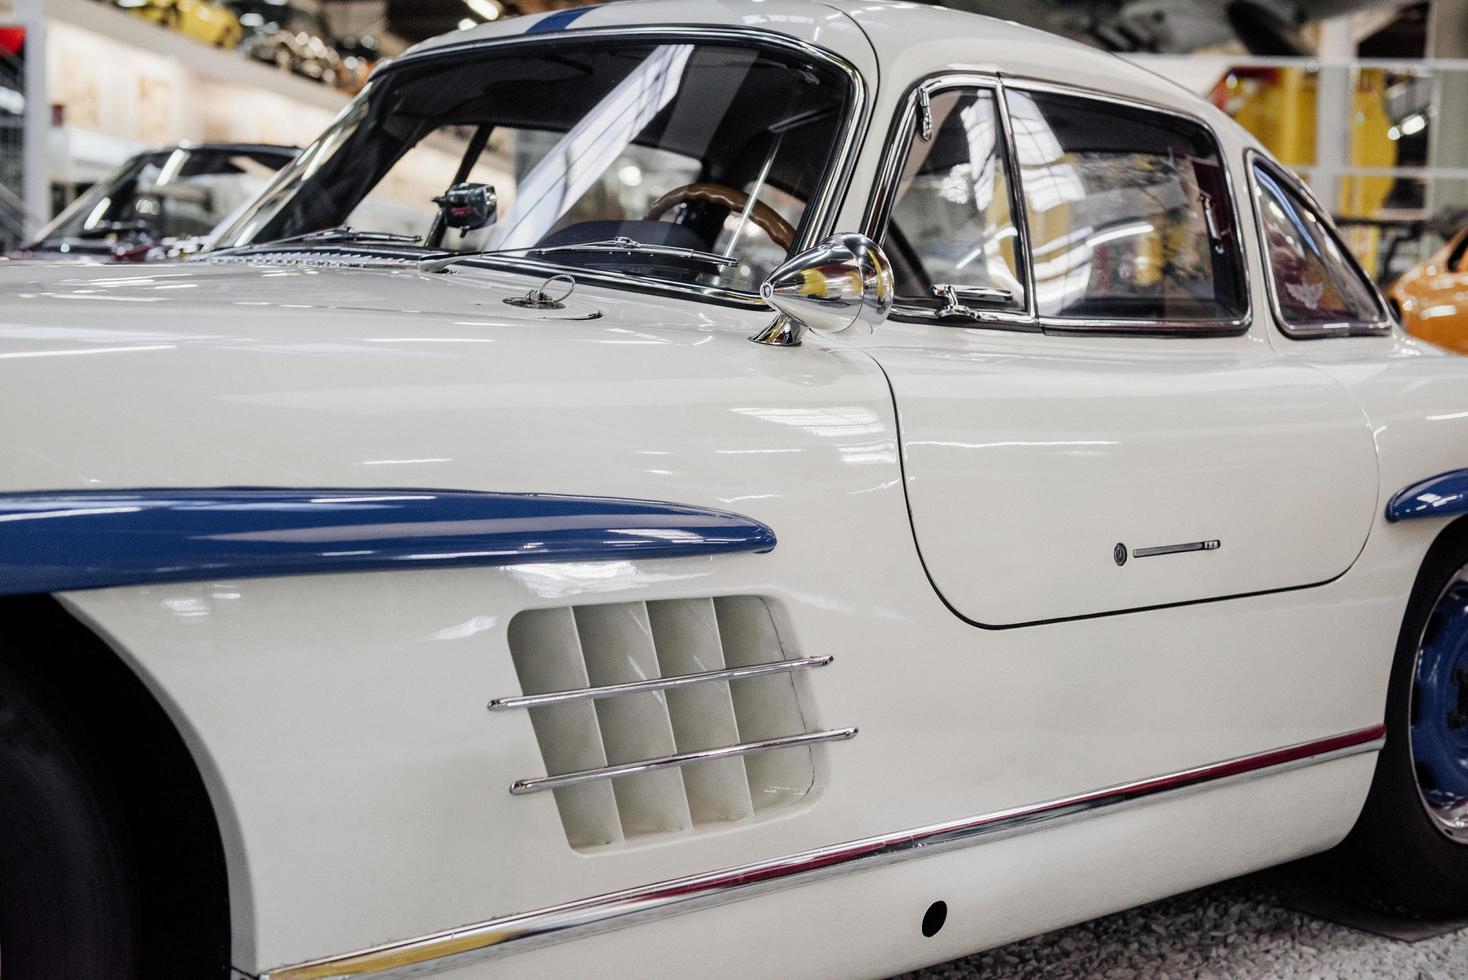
(340, 720)
(1030, 459)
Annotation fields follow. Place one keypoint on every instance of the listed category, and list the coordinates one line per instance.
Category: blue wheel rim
(1439, 713)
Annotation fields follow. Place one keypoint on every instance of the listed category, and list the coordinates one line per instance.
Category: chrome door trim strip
(520, 932)
(540, 784)
(1213, 544)
(658, 683)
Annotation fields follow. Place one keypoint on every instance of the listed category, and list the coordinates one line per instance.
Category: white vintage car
(768, 488)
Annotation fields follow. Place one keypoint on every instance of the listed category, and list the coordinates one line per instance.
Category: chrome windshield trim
(1379, 328)
(894, 152)
(820, 211)
(540, 784)
(658, 683)
(508, 934)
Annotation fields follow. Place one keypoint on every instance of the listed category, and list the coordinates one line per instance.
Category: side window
(1129, 213)
(1317, 287)
(952, 224)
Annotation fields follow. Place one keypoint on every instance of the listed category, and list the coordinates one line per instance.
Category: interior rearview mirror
(468, 206)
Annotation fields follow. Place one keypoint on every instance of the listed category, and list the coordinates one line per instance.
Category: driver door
(1087, 425)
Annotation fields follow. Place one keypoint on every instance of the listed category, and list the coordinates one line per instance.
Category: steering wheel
(767, 218)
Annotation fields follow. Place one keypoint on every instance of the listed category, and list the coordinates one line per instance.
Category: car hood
(264, 297)
(214, 374)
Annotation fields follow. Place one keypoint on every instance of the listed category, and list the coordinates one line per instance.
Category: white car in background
(159, 203)
(818, 489)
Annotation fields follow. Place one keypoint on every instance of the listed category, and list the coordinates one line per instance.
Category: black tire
(1397, 858)
(67, 910)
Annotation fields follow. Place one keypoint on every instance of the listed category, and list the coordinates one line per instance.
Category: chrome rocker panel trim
(532, 930)
(1444, 495)
(77, 539)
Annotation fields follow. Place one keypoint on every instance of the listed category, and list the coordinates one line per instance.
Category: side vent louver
(663, 717)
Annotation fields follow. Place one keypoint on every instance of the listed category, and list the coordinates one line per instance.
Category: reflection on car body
(663, 472)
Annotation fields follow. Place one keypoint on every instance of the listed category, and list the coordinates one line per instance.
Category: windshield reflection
(684, 148)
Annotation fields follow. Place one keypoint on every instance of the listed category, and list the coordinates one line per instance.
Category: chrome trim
(508, 934)
(1177, 549)
(952, 307)
(539, 299)
(894, 153)
(658, 683)
(925, 113)
(781, 332)
(900, 137)
(820, 211)
(521, 787)
(1378, 328)
(1019, 208)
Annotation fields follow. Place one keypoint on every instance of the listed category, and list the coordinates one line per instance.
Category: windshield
(167, 194)
(704, 147)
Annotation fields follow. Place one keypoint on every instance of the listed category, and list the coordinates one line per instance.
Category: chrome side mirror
(844, 281)
(468, 206)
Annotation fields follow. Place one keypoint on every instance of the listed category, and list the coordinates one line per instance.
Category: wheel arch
(1449, 536)
(170, 815)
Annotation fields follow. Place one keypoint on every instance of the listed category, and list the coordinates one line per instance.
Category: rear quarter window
(1316, 286)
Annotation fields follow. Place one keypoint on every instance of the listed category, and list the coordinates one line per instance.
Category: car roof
(890, 26)
(907, 40)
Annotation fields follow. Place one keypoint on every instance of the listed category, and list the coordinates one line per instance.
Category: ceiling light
(487, 9)
(467, 23)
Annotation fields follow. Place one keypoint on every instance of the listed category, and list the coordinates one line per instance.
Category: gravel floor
(1235, 930)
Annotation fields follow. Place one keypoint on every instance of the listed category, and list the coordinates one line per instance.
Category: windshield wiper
(341, 233)
(618, 244)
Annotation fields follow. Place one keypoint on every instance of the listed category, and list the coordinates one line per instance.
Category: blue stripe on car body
(1444, 495)
(65, 540)
(557, 21)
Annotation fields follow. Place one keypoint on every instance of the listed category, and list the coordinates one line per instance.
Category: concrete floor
(1237, 930)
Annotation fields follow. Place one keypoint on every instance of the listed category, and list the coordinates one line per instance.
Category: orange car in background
(1431, 298)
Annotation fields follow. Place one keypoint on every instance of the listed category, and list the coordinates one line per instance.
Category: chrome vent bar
(522, 786)
(664, 717)
(656, 683)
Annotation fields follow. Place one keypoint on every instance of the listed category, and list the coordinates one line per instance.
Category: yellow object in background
(202, 20)
(1278, 106)
(1431, 298)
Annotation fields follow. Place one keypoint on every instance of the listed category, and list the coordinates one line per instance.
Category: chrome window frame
(899, 143)
(820, 211)
(899, 138)
(1381, 327)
